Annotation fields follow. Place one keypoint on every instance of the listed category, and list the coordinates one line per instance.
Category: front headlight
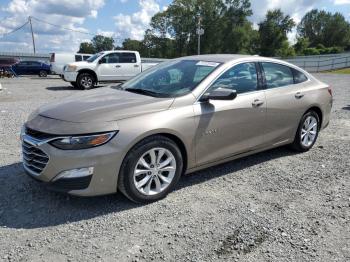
(71, 68)
(82, 142)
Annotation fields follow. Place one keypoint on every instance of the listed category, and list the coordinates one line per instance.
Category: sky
(117, 18)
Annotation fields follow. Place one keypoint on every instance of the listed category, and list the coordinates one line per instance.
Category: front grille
(37, 134)
(34, 159)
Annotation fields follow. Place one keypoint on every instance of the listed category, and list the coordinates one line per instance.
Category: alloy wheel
(154, 171)
(309, 131)
(86, 82)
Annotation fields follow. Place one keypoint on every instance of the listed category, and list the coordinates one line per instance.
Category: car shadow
(69, 87)
(26, 204)
(346, 107)
(60, 88)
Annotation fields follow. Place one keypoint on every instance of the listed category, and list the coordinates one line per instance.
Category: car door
(21, 67)
(284, 101)
(227, 128)
(35, 67)
(129, 65)
(109, 68)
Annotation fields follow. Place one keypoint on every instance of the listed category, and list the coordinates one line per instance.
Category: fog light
(75, 173)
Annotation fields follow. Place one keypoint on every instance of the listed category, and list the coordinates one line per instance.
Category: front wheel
(43, 73)
(86, 81)
(150, 170)
(307, 132)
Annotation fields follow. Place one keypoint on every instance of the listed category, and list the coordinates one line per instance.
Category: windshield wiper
(143, 92)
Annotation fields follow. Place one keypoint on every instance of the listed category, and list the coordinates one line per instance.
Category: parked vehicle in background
(59, 60)
(108, 66)
(178, 117)
(32, 68)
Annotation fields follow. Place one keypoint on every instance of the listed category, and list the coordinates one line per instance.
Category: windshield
(171, 79)
(94, 57)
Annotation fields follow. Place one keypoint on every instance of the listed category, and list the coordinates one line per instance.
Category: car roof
(219, 58)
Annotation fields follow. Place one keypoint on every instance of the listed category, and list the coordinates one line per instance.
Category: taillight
(330, 91)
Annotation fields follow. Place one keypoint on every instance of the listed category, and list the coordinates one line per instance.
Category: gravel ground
(274, 206)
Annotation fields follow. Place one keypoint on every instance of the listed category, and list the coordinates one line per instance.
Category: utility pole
(200, 32)
(31, 29)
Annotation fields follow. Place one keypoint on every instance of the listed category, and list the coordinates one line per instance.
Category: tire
(42, 73)
(304, 141)
(150, 192)
(74, 84)
(85, 81)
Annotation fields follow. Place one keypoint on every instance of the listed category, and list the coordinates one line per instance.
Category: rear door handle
(136, 65)
(117, 66)
(257, 103)
(299, 95)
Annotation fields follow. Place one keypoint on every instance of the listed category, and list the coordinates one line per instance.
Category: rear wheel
(85, 81)
(150, 170)
(42, 73)
(307, 132)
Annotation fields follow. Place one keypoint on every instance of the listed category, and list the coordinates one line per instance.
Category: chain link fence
(321, 63)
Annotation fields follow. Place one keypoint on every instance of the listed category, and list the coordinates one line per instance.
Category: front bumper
(106, 161)
(63, 185)
(70, 76)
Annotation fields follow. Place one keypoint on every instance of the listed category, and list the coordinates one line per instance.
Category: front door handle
(117, 66)
(299, 95)
(136, 65)
(257, 103)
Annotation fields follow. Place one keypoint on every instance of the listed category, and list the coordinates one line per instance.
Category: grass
(344, 71)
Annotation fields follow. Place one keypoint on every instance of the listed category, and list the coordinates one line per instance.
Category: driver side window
(243, 78)
(111, 58)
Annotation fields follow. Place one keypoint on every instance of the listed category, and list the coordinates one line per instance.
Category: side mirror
(219, 94)
(102, 61)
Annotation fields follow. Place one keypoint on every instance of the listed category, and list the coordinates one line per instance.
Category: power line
(14, 30)
(62, 27)
(65, 28)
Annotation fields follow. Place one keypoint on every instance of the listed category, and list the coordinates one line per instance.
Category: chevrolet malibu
(178, 117)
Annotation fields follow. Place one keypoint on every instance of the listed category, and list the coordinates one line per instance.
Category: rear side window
(78, 58)
(277, 75)
(127, 58)
(299, 77)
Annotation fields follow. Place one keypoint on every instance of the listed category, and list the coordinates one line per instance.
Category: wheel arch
(89, 71)
(318, 111)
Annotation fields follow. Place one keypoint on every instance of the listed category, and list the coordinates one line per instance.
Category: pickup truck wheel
(86, 81)
(43, 73)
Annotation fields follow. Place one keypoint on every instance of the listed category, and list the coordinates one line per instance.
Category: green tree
(102, 43)
(301, 45)
(86, 48)
(225, 23)
(325, 28)
(273, 32)
(129, 44)
(237, 30)
(286, 50)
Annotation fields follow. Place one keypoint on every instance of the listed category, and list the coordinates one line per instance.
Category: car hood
(103, 105)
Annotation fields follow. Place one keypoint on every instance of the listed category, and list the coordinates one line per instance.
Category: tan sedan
(178, 117)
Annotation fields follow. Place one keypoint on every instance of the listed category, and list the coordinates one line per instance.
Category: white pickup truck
(107, 66)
